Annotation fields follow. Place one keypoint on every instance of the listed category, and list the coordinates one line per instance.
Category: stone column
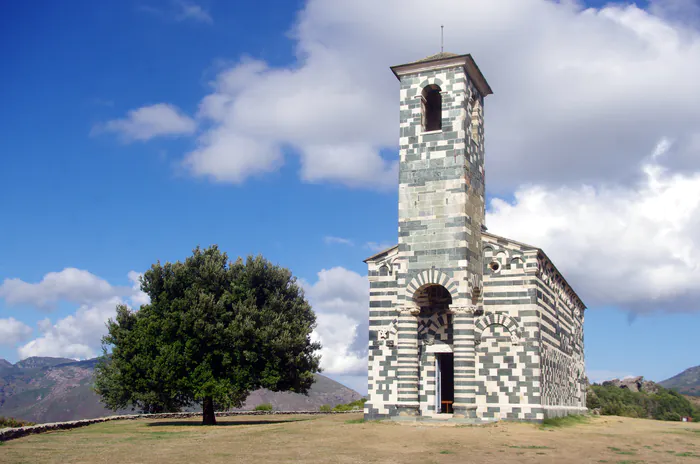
(408, 363)
(464, 361)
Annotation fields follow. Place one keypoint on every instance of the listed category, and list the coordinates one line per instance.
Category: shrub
(264, 407)
(12, 422)
(662, 405)
(325, 408)
(359, 404)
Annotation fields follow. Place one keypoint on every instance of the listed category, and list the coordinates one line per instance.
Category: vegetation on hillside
(352, 406)
(662, 405)
(12, 422)
(213, 332)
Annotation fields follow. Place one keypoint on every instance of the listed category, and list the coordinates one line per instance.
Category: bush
(325, 408)
(662, 405)
(264, 407)
(359, 404)
(12, 422)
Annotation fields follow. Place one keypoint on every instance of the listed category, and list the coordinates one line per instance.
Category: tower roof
(437, 56)
(443, 60)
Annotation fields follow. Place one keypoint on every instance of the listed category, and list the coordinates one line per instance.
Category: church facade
(463, 324)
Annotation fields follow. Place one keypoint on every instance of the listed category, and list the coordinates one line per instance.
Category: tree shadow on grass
(225, 423)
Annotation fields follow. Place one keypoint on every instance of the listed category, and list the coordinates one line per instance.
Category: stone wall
(508, 357)
(562, 351)
(383, 335)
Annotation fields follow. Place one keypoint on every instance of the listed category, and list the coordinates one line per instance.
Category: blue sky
(86, 184)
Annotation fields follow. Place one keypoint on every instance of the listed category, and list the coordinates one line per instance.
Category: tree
(213, 332)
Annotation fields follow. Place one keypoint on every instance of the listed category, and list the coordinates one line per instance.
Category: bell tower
(441, 211)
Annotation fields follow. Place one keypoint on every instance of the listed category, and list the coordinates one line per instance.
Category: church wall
(382, 353)
(508, 359)
(562, 355)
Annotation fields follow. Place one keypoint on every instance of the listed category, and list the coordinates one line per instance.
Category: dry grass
(345, 439)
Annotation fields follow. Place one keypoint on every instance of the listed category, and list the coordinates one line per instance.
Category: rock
(634, 384)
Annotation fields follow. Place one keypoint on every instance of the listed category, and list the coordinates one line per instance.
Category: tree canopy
(213, 332)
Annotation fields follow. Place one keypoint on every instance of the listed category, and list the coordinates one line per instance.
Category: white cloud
(376, 247)
(192, 11)
(340, 298)
(329, 239)
(637, 246)
(138, 297)
(579, 92)
(78, 335)
(179, 11)
(75, 336)
(13, 331)
(144, 123)
(600, 376)
(72, 285)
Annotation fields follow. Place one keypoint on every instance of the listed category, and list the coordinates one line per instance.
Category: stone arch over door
(496, 319)
(427, 278)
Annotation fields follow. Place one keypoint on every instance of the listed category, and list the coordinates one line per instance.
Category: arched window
(384, 270)
(431, 105)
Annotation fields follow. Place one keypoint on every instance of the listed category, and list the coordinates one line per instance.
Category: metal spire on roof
(442, 39)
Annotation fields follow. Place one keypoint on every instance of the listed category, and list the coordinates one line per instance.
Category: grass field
(348, 439)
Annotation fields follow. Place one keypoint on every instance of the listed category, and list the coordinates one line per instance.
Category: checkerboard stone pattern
(514, 325)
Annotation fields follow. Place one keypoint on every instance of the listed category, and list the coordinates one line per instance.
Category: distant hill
(59, 389)
(687, 382)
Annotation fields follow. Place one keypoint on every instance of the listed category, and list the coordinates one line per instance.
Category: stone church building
(463, 324)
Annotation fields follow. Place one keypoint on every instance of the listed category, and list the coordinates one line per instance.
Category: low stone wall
(11, 433)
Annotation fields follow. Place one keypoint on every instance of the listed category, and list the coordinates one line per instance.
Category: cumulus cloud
(579, 91)
(71, 285)
(79, 334)
(75, 336)
(637, 246)
(340, 298)
(13, 331)
(138, 297)
(144, 123)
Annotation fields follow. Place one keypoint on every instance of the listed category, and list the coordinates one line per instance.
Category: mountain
(35, 362)
(59, 389)
(687, 382)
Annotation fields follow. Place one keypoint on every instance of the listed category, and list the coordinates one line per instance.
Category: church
(464, 325)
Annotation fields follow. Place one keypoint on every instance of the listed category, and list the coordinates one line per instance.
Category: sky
(133, 131)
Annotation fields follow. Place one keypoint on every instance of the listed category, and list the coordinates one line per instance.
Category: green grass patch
(621, 451)
(355, 421)
(687, 454)
(627, 461)
(446, 452)
(264, 407)
(530, 447)
(565, 421)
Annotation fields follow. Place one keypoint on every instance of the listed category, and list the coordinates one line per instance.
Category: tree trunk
(208, 416)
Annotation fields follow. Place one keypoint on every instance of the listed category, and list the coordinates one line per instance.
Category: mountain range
(687, 382)
(42, 389)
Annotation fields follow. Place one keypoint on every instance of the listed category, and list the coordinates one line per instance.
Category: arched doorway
(435, 347)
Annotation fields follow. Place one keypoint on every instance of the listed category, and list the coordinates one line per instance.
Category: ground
(348, 439)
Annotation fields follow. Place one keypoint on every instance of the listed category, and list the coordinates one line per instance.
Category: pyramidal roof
(437, 56)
